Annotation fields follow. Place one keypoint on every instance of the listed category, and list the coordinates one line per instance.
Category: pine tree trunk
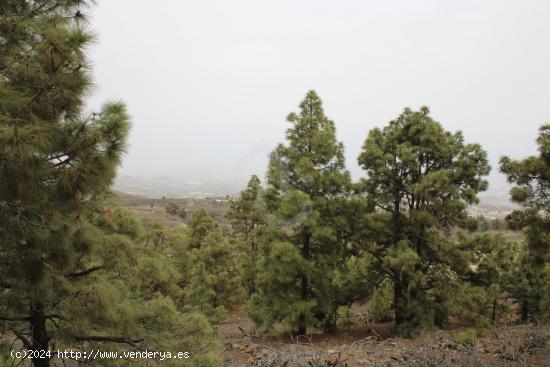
(252, 284)
(40, 339)
(525, 310)
(494, 318)
(331, 320)
(302, 327)
(399, 301)
(440, 315)
(401, 306)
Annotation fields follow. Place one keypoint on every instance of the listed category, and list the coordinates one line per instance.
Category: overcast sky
(209, 83)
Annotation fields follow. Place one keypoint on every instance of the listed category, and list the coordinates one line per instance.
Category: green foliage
(475, 304)
(483, 224)
(127, 223)
(214, 282)
(355, 280)
(420, 179)
(246, 219)
(5, 362)
(483, 277)
(156, 298)
(172, 208)
(497, 224)
(493, 264)
(345, 317)
(73, 275)
(277, 282)
(305, 181)
(531, 178)
(381, 303)
(466, 337)
(201, 225)
(244, 214)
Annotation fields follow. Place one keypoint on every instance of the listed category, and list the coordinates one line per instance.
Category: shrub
(466, 337)
(172, 208)
(381, 303)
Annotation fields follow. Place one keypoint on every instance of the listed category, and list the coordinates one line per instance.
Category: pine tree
(125, 222)
(420, 179)
(214, 285)
(54, 159)
(147, 289)
(483, 276)
(172, 208)
(201, 226)
(483, 224)
(70, 270)
(246, 219)
(531, 178)
(355, 280)
(305, 180)
(278, 296)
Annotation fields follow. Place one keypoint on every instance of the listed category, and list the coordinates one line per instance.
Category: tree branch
(82, 273)
(109, 339)
(5, 318)
(22, 337)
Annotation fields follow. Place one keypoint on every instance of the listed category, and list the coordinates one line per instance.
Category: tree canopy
(71, 269)
(420, 179)
(304, 182)
(531, 180)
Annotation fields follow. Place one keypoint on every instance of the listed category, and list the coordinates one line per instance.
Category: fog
(209, 83)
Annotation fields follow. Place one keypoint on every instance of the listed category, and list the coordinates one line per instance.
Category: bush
(345, 316)
(466, 337)
(381, 303)
(127, 223)
(172, 208)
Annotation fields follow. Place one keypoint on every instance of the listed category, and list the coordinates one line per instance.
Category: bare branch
(85, 272)
(109, 339)
(23, 338)
(5, 318)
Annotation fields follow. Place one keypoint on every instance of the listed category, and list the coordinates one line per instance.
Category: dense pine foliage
(531, 178)
(74, 275)
(305, 180)
(420, 178)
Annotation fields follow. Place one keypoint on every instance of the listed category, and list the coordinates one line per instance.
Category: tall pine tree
(246, 220)
(214, 283)
(305, 179)
(531, 178)
(67, 269)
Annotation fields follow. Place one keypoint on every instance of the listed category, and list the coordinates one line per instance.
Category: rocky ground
(506, 346)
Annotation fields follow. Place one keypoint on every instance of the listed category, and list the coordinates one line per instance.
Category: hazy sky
(209, 83)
